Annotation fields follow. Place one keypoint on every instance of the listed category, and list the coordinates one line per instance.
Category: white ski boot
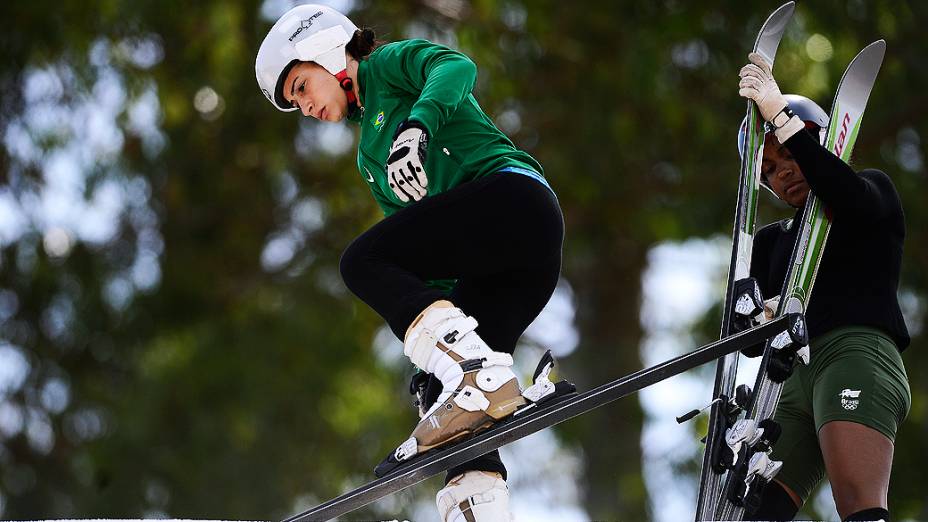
(475, 496)
(479, 387)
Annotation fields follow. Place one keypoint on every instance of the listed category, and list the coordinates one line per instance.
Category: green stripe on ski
(814, 252)
(849, 146)
(756, 141)
(833, 128)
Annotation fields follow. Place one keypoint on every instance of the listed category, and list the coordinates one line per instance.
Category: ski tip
(877, 48)
(870, 57)
(881, 45)
(786, 9)
(787, 6)
(768, 39)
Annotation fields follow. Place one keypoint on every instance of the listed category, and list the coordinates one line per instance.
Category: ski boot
(475, 496)
(422, 386)
(479, 387)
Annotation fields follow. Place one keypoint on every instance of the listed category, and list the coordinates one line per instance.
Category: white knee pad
(475, 496)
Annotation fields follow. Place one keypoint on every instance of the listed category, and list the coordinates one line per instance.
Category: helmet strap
(347, 85)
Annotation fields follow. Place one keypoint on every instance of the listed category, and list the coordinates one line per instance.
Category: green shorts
(854, 374)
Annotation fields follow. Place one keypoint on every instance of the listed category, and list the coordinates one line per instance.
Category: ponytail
(362, 43)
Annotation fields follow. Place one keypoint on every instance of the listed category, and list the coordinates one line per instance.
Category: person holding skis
(839, 415)
(461, 203)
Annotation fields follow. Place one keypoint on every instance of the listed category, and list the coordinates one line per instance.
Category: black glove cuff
(409, 124)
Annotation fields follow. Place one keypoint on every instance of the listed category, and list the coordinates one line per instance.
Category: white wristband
(791, 127)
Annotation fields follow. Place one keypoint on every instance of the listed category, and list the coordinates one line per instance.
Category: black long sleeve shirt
(858, 276)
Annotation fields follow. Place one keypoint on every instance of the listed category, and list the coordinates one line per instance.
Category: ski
(725, 405)
(543, 416)
(751, 440)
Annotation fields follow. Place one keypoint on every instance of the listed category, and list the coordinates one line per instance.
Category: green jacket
(431, 84)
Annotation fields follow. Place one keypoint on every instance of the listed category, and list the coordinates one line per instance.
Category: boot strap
(471, 399)
(492, 359)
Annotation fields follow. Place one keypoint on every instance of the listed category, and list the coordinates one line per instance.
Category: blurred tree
(172, 324)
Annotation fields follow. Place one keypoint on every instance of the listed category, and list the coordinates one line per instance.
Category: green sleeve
(441, 77)
(446, 286)
(389, 207)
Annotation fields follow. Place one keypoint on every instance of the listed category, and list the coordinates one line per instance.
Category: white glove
(405, 170)
(757, 84)
(770, 308)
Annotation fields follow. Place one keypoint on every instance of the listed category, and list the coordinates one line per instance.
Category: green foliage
(227, 386)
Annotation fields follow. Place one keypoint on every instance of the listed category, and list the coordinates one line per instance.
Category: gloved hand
(757, 84)
(405, 165)
(770, 310)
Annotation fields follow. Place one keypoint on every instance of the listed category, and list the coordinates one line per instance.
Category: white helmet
(307, 33)
(813, 117)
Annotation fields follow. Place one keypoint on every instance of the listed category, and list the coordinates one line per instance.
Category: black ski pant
(500, 237)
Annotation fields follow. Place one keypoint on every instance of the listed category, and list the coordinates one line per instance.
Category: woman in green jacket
(463, 206)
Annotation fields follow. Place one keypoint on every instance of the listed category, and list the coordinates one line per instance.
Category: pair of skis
(737, 447)
(742, 297)
(539, 417)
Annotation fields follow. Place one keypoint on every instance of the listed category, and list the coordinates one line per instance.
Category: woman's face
(315, 92)
(783, 174)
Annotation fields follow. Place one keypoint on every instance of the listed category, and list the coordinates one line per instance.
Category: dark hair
(279, 88)
(362, 43)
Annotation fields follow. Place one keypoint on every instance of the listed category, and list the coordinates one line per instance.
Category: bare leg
(858, 460)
